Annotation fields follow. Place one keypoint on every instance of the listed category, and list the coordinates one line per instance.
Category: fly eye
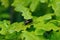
(28, 21)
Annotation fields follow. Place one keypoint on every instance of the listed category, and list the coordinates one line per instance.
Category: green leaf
(22, 6)
(2, 9)
(56, 6)
(25, 12)
(55, 36)
(43, 1)
(30, 36)
(11, 35)
(4, 15)
(56, 23)
(4, 27)
(5, 3)
(43, 18)
(2, 37)
(39, 31)
(18, 27)
(34, 4)
(24, 3)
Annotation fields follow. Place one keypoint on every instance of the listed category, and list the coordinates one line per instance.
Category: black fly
(28, 21)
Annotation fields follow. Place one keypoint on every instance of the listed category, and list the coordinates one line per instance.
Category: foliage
(44, 13)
